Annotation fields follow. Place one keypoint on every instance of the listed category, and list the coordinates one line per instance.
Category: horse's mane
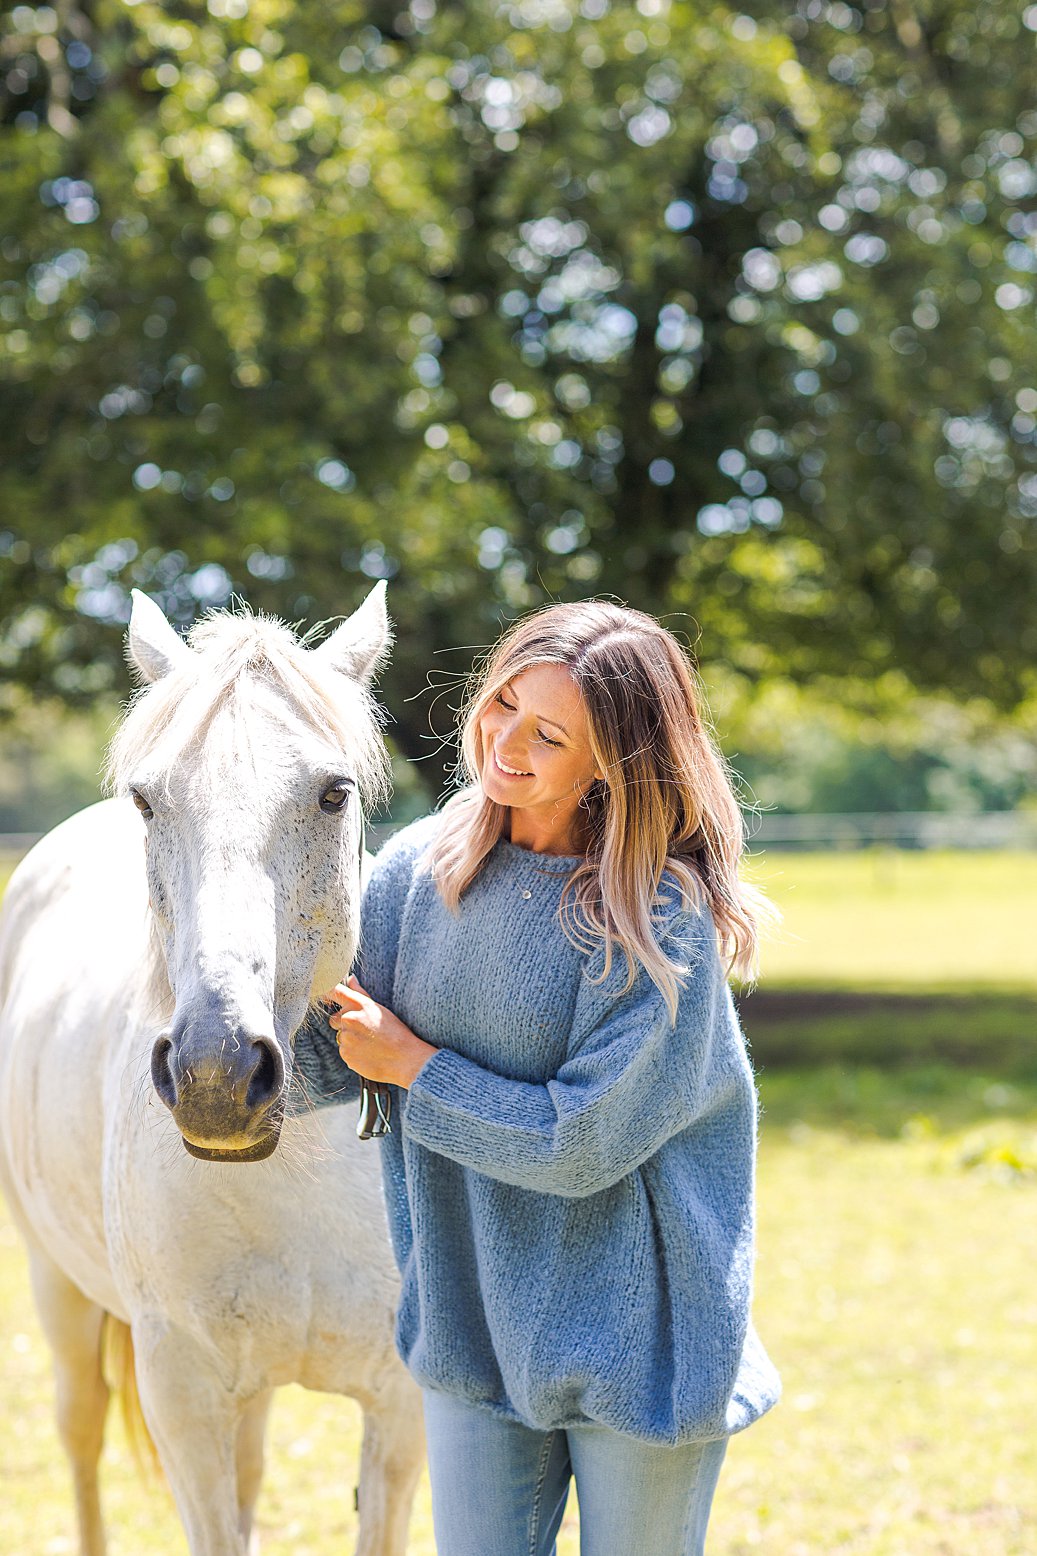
(233, 651)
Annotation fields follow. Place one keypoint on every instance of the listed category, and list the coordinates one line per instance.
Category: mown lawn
(887, 920)
(898, 1240)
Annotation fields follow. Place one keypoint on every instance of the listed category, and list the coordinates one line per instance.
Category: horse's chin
(256, 1152)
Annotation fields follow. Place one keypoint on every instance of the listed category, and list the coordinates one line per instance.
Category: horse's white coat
(234, 1277)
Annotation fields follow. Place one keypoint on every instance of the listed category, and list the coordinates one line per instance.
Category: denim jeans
(499, 1488)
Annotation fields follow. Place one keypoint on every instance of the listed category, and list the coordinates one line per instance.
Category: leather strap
(375, 1099)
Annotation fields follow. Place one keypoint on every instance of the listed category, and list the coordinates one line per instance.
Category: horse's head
(249, 756)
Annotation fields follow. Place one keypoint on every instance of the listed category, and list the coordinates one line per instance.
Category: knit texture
(569, 1180)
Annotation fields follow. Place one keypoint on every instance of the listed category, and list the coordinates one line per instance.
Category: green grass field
(886, 920)
(894, 1040)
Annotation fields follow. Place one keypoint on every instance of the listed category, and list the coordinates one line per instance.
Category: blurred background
(725, 313)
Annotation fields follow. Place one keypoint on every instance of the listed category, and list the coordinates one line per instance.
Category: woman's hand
(374, 1042)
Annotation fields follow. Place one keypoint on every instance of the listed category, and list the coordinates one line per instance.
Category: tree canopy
(728, 313)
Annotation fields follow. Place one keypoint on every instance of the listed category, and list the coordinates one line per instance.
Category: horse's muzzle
(255, 1153)
(224, 1093)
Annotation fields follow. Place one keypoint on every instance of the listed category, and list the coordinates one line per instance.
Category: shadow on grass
(889, 1064)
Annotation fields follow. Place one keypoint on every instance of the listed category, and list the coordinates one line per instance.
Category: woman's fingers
(354, 998)
(372, 1040)
(350, 1021)
(349, 996)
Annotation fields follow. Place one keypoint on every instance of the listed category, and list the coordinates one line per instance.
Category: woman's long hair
(666, 801)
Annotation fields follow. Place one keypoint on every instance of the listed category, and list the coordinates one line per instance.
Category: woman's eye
(503, 703)
(335, 797)
(547, 739)
(141, 804)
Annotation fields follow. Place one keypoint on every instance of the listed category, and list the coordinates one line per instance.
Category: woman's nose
(510, 738)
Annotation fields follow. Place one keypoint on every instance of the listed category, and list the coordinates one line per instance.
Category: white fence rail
(896, 829)
(866, 829)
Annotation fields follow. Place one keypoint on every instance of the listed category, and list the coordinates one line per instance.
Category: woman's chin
(495, 791)
(501, 790)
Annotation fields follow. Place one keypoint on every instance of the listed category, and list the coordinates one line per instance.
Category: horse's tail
(121, 1373)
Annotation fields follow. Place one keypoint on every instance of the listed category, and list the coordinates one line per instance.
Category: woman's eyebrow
(538, 718)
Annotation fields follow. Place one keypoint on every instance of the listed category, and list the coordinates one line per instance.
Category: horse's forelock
(233, 651)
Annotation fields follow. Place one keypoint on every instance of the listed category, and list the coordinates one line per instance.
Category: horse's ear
(152, 645)
(358, 647)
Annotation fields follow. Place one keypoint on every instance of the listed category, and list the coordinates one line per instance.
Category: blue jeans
(499, 1488)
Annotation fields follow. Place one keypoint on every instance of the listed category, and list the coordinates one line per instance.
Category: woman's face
(536, 749)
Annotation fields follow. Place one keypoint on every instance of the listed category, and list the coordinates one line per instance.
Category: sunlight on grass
(898, 1239)
(306, 1507)
(894, 1291)
(882, 919)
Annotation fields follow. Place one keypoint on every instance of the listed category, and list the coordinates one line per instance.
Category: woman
(570, 1172)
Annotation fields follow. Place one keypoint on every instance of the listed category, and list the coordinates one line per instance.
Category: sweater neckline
(553, 864)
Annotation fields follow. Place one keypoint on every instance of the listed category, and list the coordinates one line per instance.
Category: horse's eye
(141, 804)
(336, 797)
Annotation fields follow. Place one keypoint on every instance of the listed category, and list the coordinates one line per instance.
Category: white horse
(130, 1032)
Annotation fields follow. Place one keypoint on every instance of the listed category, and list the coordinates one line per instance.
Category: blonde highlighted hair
(666, 802)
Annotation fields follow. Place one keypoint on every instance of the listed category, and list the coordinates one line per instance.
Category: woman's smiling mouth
(509, 772)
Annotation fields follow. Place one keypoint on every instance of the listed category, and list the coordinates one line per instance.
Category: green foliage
(724, 312)
(879, 747)
(50, 764)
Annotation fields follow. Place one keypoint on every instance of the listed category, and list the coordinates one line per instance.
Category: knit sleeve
(381, 915)
(631, 1080)
(319, 1077)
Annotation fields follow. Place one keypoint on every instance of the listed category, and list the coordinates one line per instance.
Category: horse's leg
(72, 1325)
(251, 1433)
(391, 1459)
(193, 1420)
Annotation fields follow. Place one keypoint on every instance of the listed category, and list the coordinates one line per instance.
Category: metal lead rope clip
(375, 1111)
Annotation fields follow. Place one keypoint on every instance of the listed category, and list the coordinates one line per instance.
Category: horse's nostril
(267, 1077)
(162, 1071)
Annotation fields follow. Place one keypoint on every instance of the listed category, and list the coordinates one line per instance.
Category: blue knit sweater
(569, 1179)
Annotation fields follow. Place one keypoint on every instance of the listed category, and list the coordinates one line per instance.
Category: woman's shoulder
(405, 847)
(682, 928)
(390, 877)
(681, 911)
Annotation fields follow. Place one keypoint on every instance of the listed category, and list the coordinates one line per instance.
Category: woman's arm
(633, 1081)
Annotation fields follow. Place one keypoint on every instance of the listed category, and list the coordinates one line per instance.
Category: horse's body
(250, 1267)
